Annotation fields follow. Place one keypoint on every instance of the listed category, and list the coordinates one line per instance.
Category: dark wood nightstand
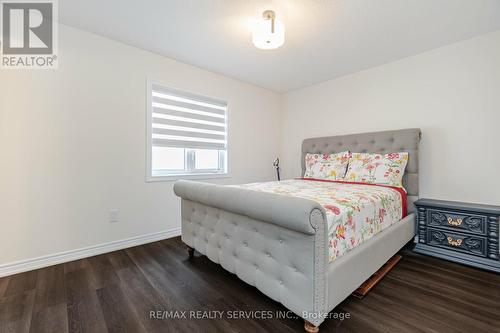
(460, 232)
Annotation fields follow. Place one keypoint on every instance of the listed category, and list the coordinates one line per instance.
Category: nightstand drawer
(472, 223)
(460, 242)
(462, 232)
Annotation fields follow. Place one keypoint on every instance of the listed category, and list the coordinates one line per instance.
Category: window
(187, 134)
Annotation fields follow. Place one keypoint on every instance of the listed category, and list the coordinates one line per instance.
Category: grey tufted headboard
(405, 140)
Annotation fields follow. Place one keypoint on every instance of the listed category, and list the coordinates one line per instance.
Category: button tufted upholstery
(405, 140)
(287, 264)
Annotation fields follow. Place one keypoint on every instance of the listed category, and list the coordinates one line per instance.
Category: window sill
(171, 178)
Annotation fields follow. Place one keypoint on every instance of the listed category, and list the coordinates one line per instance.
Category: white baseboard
(61, 257)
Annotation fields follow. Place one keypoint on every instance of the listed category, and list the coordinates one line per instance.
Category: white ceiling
(324, 38)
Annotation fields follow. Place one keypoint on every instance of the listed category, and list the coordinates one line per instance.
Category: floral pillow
(377, 168)
(327, 166)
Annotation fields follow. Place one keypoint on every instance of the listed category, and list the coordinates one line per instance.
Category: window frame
(189, 155)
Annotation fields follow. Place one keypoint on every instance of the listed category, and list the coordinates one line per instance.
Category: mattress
(355, 211)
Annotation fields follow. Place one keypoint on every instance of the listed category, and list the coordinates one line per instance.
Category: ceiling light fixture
(268, 33)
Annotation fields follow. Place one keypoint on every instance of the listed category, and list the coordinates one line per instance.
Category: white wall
(73, 145)
(451, 93)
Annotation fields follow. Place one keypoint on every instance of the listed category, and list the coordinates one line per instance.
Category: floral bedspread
(355, 212)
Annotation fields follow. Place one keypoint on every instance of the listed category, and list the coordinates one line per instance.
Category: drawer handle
(454, 242)
(454, 222)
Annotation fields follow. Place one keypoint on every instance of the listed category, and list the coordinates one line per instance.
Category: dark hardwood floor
(116, 292)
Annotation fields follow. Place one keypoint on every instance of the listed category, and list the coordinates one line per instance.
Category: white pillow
(385, 169)
(327, 166)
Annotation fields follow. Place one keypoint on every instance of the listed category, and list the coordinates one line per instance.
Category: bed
(281, 243)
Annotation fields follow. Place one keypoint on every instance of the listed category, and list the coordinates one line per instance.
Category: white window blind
(184, 120)
(187, 134)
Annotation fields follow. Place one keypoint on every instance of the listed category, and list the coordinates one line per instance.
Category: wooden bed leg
(310, 328)
(190, 252)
